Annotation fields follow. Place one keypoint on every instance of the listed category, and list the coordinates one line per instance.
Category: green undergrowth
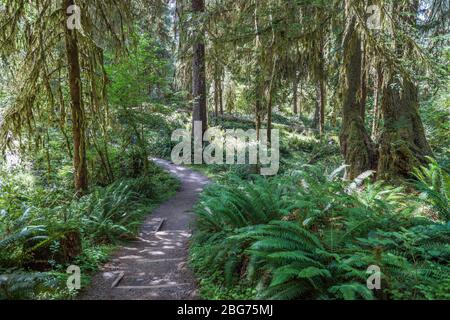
(298, 146)
(43, 232)
(308, 234)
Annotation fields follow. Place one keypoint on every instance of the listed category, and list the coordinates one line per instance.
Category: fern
(20, 285)
(434, 184)
(304, 236)
(351, 291)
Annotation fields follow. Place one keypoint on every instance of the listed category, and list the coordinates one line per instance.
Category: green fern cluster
(20, 285)
(114, 213)
(223, 211)
(34, 222)
(26, 228)
(241, 204)
(434, 184)
(109, 213)
(311, 235)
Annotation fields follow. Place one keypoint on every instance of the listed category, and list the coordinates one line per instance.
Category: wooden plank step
(118, 279)
(154, 287)
(159, 226)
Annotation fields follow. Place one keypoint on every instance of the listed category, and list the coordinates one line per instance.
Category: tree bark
(270, 87)
(403, 144)
(199, 70)
(322, 94)
(322, 86)
(216, 97)
(316, 117)
(363, 99)
(78, 123)
(269, 116)
(377, 101)
(300, 100)
(258, 116)
(356, 145)
(221, 97)
(295, 94)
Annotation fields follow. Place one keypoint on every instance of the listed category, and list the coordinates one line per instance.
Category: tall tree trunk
(78, 125)
(356, 145)
(363, 98)
(216, 97)
(322, 86)
(377, 101)
(199, 70)
(403, 144)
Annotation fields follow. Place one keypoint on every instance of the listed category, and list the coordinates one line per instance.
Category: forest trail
(154, 267)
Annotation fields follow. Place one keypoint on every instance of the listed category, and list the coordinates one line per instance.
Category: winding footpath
(154, 267)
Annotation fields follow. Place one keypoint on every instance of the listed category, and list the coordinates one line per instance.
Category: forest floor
(154, 266)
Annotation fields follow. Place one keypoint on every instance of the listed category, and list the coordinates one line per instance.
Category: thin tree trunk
(47, 154)
(258, 116)
(270, 102)
(258, 108)
(216, 97)
(377, 101)
(62, 121)
(269, 118)
(295, 94)
(78, 125)
(322, 87)
(316, 117)
(363, 98)
(300, 100)
(199, 70)
(103, 159)
(221, 97)
(322, 90)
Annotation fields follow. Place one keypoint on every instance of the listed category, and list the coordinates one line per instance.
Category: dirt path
(154, 267)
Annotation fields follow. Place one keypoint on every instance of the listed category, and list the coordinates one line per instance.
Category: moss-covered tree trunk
(403, 144)
(323, 95)
(316, 116)
(78, 123)
(364, 79)
(377, 101)
(322, 84)
(356, 145)
(199, 69)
